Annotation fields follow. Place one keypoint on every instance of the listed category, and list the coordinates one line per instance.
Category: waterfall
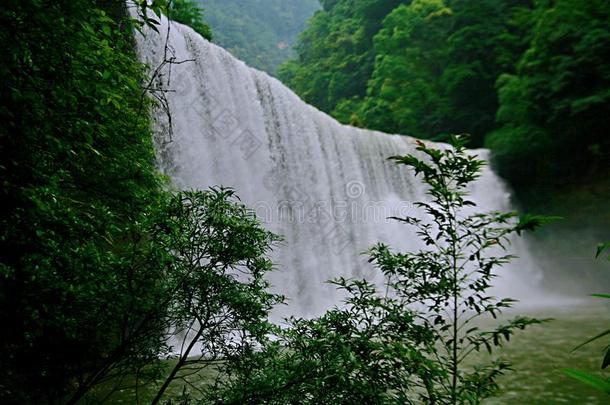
(327, 188)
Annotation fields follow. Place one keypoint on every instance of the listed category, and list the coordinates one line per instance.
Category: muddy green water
(539, 354)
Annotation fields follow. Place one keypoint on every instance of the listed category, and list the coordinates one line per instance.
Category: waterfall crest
(327, 188)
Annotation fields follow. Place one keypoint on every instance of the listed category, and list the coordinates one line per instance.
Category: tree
(436, 64)
(423, 67)
(211, 301)
(487, 39)
(554, 109)
(217, 297)
(334, 54)
(452, 279)
(79, 189)
(409, 338)
(82, 261)
(404, 93)
(188, 12)
(370, 351)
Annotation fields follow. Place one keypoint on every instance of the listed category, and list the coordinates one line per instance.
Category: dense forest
(528, 79)
(94, 260)
(260, 32)
(79, 188)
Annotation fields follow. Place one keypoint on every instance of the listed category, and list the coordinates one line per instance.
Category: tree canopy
(554, 111)
(260, 32)
(529, 79)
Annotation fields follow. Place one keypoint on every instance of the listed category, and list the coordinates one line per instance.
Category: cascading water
(326, 187)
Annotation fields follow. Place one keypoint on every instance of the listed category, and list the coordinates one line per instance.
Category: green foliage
(423, 67)
(260, 32)
(188, 12)
(334, 53)
(598, 383)
(216, 292)
(80, 191)
(554, 109)
(403, 93)
(486, 40)
(367, 352)
(408, 339)
(452, 278)
(100, 265)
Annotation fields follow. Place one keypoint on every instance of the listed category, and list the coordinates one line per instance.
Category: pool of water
(540, 353)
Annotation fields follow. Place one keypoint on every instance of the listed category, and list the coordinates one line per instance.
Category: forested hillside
(260, 32)
(529, 79)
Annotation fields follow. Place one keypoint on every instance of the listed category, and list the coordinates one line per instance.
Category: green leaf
(606, 361)
(529, 222)
(604, 333)
(589, 379)
(601, 247)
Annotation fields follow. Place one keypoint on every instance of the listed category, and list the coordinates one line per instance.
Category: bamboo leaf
(606, 361)
(589, 379)
(601, 247)
(604, 333)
